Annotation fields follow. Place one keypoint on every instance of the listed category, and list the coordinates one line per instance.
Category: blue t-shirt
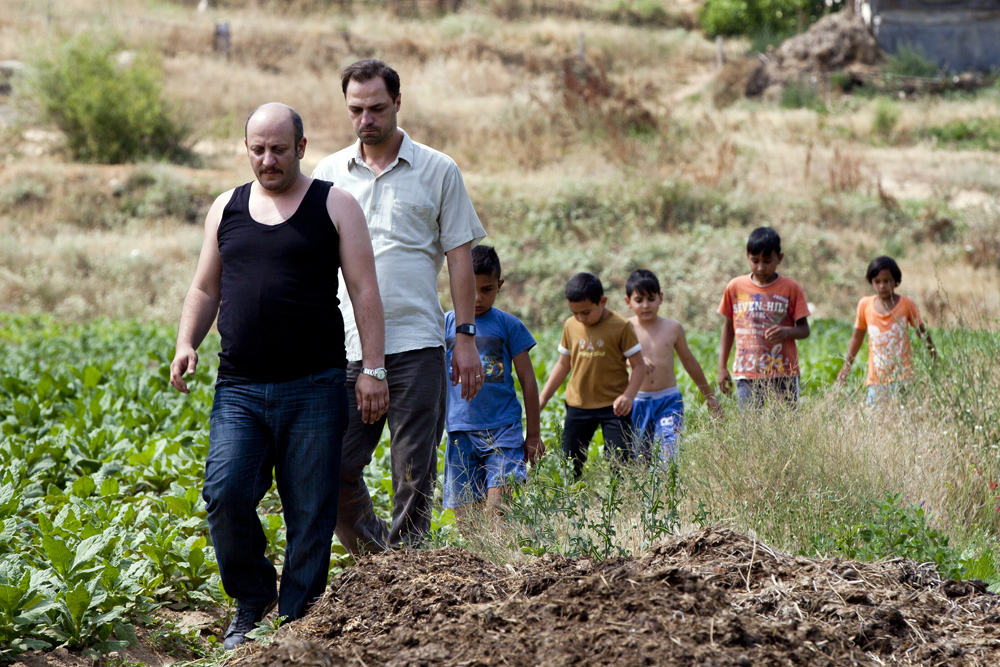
(500, 337)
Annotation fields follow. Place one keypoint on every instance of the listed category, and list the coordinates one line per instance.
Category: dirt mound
(835, 42)
(714, 597)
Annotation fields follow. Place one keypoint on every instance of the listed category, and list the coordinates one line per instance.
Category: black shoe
(246, 620)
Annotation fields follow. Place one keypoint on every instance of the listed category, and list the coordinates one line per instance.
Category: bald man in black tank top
(269, 268)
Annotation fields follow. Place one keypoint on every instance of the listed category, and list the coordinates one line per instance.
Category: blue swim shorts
(657, 419)
(475, 461)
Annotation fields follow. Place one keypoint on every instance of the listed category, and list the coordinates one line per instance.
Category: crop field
(104, 526)
(592, 136)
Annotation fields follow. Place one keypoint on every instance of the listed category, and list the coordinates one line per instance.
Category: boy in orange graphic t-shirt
(765, 314)
(885, 317)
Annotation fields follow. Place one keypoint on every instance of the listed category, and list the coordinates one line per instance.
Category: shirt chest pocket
(412, 224)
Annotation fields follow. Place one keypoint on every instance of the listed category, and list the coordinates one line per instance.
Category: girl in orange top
(886, 317)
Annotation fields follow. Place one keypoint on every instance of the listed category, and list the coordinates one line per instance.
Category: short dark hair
(296, 123)
(642, 281)
(763, 241)
(368, 69)
(584, 287)
(485, 261)
(880, 264)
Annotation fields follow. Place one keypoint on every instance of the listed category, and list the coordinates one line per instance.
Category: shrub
(801, 95)
(886, 115)
(974, 133)
(110, 112)
(760, 17)
(910, 60)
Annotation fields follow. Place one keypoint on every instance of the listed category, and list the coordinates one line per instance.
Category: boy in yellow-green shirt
(597, 347)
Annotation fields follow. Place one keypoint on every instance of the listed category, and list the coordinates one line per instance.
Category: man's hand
(466, 368)
(623, 405)
(184, 363)
(725, 381)
(373, 398)
(534, 448)
(842, 375)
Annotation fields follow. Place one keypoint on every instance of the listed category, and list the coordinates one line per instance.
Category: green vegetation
(911, 60)
(110, 109)
(974, 133)
(801, 95)
(760, 17)
(102, 465)
(886, 116)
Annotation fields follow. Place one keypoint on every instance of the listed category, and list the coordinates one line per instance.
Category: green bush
(801, 95)
(770, 17)
(110, 112)
(975, 133)
(910, 60)
(886, 115)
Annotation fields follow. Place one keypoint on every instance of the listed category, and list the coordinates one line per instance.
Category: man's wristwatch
(377, 373)
(468, 329)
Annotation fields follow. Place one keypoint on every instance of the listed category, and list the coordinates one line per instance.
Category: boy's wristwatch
(468, 329)
(377, 373)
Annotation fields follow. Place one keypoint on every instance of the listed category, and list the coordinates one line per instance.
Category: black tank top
(279, 317)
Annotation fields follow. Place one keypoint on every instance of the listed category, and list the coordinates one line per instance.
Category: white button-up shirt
(417, 209)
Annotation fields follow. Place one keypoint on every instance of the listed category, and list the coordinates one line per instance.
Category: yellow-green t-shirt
(598, 370)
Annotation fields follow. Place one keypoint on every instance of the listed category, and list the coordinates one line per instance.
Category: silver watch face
(377, 373)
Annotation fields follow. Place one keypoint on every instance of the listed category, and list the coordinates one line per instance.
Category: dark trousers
(580, 426)
(417, 394)
(753, 394)
(296, 428)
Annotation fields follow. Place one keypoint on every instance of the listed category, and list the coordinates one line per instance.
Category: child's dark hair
(485, 261)
(764, 241)
(880, 264)
(584, 287)
(642, 281)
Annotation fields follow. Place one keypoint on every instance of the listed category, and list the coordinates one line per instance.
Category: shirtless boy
(658, 409)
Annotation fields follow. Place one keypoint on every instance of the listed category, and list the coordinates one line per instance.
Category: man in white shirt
(418, 215)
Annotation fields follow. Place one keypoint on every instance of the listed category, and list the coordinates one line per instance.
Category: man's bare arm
(202, 301)
(466, 368)
(357, 262)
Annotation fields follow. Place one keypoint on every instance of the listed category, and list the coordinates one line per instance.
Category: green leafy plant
(911, 60)
(745, 17)
(886, 116)
(110, 111)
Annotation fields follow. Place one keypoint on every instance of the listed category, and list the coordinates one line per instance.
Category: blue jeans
(753, 394)
(296, 428)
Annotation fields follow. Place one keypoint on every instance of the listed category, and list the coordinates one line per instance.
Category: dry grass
(492, 93)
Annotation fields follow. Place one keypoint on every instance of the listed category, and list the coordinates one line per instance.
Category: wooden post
(222, 41)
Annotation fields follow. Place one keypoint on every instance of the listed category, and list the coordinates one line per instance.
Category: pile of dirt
(714, 597)
(836, 42)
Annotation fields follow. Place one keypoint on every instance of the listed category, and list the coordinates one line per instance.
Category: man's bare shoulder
(341, 197)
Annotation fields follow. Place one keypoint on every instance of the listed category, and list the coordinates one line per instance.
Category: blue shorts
(657, 417)
(475, 461)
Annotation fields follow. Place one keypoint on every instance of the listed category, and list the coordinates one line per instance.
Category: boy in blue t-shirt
(485, 446)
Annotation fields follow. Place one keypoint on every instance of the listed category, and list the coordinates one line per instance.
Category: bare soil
(714, 597)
